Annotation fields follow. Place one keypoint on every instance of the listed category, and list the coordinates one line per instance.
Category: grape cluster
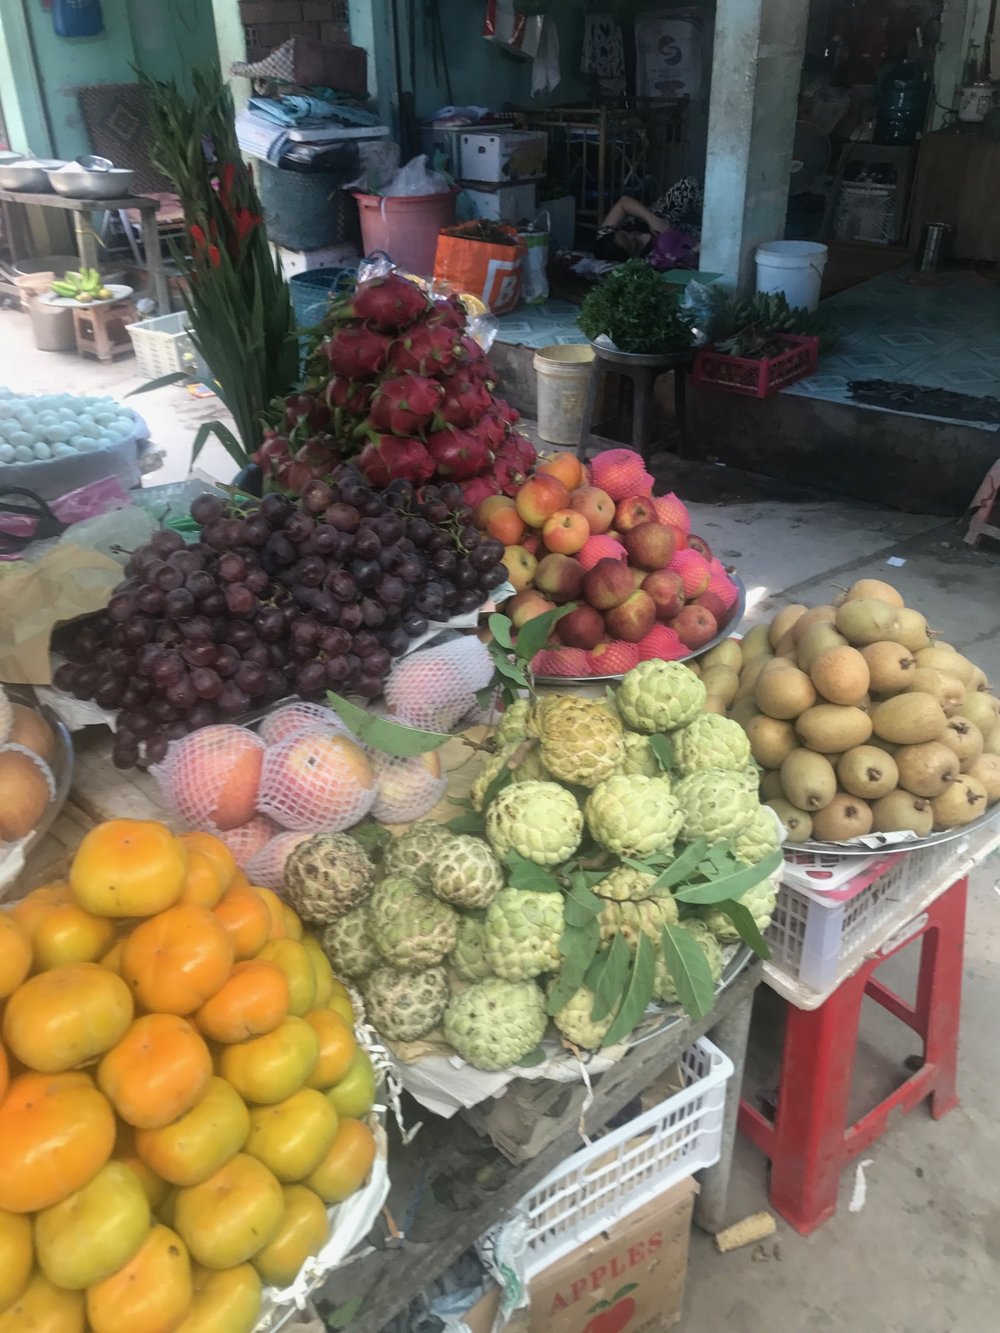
(279, 597)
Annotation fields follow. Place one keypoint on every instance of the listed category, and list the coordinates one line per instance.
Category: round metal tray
(724, 633)
(911, 845)
(61, 765)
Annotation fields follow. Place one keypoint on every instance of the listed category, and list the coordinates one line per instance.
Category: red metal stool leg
(816, 1068)
(939, 997)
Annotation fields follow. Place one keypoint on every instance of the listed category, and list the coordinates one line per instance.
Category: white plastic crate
(621, 1170)
(811, 930)
(163, 346)
(865, 212)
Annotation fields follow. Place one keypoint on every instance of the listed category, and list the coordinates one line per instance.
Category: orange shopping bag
(483, 258)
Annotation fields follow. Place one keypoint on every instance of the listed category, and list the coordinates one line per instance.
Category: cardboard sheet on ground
(68, 581)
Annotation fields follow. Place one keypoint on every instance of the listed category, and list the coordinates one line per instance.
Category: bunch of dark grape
(278, 597)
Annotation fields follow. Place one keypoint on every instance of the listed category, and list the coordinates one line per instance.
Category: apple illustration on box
(614, 1315)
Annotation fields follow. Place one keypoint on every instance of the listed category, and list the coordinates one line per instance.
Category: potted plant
(238, 303)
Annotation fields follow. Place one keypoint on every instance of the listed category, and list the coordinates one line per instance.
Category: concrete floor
(923, 1255)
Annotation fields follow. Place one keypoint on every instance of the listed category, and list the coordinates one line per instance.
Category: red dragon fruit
(460, 454)
(405, 405)
(351, 395)
(272, 453)
(306, 409)
(515, 459)
(478, 489)
(464, 402)
(395, 457)
(391, 303)
(493, 429)
(505, 412)
(429, 349)
(357, 352)
(449, 312)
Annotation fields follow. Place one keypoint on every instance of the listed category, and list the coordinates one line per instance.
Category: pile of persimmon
(181, 1093)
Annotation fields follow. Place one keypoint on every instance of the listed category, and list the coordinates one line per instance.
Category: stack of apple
(644, 585)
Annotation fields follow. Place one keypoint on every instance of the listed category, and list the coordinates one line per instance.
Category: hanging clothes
(603, 53)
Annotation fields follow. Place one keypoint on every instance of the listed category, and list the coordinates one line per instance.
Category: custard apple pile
(541, 821)
(467, 934)
(711, 741)
(411, 928)
(493, 1024)
(465, 873)
(574, 1020)
(716, 804)
(523, 930)
(405, 1005)
(580, 741)
(660, 696)
(350, 946)
(633, 816)
(468, 957)
(326, 876)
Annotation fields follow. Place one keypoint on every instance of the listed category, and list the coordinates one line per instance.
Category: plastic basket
(865, 212)
(812, 931)
(312, 292)
(757, 378)
(163, 346)
(620, 1171)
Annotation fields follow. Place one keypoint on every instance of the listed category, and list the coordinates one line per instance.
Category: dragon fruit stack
(398, 386)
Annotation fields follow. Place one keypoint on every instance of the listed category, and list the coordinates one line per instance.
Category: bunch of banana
(84, 286)
(769, 310)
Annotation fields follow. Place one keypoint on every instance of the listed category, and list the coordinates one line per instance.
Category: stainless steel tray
(726, 632)
(912, 845)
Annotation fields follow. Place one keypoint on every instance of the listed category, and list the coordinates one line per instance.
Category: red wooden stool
(809, 1141)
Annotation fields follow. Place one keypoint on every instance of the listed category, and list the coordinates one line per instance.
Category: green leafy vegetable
(637, 310)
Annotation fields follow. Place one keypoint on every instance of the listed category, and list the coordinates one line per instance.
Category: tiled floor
(542, 325)
(940, 336)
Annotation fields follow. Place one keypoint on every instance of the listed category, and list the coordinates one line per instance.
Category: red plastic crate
(757, 378)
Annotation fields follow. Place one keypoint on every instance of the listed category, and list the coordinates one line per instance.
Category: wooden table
(82, 211)
(956, 179)
(451, 1184)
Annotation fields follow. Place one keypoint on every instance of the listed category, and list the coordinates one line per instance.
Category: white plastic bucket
(793, 267)
(563, 372)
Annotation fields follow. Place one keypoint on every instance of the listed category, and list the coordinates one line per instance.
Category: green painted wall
(161, 37)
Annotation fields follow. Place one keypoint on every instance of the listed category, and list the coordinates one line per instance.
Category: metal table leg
(731, 1037)
(154, 260)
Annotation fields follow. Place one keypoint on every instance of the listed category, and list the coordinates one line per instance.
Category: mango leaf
(680, 868)
(614, 976)
(742, 918)
(689, 970)
(638, 995)
(486, 697)
(497, 783)
(379, 732)
(344, 1315)
(535, 1057)
(462, 802)
(593, 973)
(510, 670)
(472, 822)
(664, 751)
(524, 874)
(730, 886)
(577, 946)
(534, 634)
(500, 628)
(582, 905)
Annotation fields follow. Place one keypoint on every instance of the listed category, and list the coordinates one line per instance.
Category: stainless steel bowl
(30, 175)
(76, 182)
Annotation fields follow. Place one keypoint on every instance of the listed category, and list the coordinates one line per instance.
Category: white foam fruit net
(210, 779)
(319, 781)
(296, 719)
(434, 688)
(407, 788)
(267, 866)
(246, 840)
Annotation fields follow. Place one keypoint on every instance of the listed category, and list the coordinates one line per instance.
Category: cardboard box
(503, 155)
(503, 203)
(627, 1279)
